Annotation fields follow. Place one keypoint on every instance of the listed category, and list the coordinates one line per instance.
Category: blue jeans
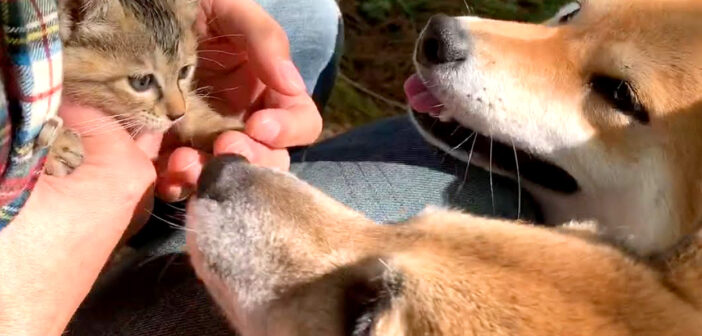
(384, 170)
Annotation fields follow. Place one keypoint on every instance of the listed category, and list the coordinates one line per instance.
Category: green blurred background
(380, 37)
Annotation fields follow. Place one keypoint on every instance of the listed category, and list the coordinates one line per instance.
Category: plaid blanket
(30, 92)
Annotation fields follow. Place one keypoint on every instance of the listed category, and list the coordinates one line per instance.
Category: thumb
(266, 42)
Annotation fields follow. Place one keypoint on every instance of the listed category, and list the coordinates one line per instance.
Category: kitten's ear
(187, 10)
(87, 14)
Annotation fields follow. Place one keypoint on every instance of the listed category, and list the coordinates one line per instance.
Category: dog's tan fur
(281, 258)
(529, 85)
(279, 271)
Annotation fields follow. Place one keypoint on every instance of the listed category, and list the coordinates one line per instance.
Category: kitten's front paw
(66, 154)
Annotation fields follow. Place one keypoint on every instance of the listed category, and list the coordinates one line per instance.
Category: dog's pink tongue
(420, 99)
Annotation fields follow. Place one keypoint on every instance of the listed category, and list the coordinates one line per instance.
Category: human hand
(245, 62)
(51, 254)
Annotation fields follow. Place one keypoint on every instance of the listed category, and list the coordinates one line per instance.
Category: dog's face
(602, 105)
(283, 259)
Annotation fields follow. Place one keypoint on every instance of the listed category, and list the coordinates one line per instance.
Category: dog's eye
(568, 12)
(360, 308)
(621, 95)
(367, 296)
(141, 83)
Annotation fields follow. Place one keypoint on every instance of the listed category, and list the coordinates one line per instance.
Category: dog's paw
(65, 155)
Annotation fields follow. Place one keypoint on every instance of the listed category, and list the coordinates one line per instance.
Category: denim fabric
(313, 29)
(384, 170)
(388, 172)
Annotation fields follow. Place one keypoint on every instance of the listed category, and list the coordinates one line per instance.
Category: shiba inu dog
(602, 108)
(281, 258)
(598, 112)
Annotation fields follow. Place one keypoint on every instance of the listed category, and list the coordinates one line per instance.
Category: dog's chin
(468, 145)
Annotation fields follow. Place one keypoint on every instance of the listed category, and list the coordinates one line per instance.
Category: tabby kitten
(134, 59)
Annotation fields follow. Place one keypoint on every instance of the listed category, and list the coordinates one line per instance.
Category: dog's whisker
(165, 267)
(470, 157)
(463, 142)
(492, 189)
(468, 9)
(519, 183)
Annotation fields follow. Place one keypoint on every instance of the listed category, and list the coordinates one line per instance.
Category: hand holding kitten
(250, 72)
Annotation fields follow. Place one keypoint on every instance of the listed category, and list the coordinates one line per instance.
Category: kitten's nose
(175, 115)
(175, 105)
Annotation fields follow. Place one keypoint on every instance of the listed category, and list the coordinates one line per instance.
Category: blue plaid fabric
(30, 94)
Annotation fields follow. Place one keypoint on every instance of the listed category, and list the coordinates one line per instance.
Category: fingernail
(239, 148)
(185, 193)
(290, 73)
(173, 193)
(267, 130)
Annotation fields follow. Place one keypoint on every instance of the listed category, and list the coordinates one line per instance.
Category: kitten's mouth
(460, 139)
(148, 124)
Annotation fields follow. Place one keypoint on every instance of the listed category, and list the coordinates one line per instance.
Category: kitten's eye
(620, 94)
(185, 72)
(141, 83)
(568, 12)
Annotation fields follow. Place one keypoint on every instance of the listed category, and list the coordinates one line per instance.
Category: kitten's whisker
(175, 207)
(218, 37)
(109, 128)
(117, 124)
(98, 125)
(221, 52)
(171, 224)
(100, 119)
(213, 61)
(226, 90)
(203, 88)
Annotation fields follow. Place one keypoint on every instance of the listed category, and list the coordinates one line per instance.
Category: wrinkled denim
(384, 170)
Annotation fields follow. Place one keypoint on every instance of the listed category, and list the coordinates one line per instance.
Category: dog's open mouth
(461, 139)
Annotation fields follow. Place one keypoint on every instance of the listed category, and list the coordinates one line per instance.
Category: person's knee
(324, 21)
(313, 28)
(318, 36)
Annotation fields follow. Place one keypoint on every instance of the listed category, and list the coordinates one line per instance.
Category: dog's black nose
(443, 41)
(221, 176)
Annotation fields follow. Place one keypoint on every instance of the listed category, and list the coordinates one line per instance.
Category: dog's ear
(87, 15)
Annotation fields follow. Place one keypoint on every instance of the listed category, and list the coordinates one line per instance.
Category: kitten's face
(132, 58)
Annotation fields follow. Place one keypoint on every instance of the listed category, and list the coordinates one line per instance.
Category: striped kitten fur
(134, 59)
